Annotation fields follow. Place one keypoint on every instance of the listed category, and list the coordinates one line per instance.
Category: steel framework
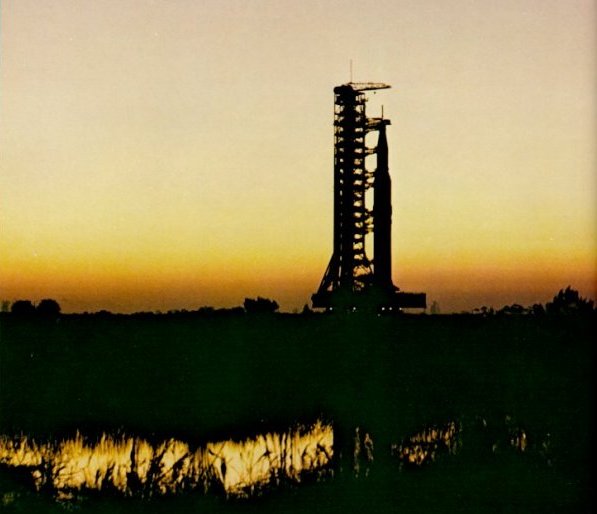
(352, 279)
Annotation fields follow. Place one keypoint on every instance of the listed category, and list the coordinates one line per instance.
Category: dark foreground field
(202, 379)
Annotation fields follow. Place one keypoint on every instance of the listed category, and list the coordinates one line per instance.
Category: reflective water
(134, 466)
(425, 445)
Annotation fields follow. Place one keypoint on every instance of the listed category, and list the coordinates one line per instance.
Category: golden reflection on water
(519, 439)
(132, 465)
(424, 446)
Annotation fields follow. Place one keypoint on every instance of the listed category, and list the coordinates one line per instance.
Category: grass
(202, 379)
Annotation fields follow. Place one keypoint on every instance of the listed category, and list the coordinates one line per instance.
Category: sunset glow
(165, 155)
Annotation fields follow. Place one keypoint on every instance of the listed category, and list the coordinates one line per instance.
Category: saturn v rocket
(352, 279)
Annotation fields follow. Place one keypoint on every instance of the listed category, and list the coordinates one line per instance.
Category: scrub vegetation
(506, 381)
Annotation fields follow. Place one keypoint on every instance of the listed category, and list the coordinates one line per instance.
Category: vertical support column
(350, 214)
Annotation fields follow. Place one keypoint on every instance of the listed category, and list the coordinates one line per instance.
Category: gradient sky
(167, 154)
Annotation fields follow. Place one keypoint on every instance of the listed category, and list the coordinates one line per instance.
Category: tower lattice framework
(352, 277)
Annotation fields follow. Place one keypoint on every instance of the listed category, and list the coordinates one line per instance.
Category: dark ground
(209, 378)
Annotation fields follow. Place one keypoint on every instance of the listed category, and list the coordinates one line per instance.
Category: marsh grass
(202, 380)
(133, 467)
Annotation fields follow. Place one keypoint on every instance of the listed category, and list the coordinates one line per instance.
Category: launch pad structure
(352, 280)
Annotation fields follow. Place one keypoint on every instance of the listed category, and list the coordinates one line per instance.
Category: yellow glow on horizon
(180, 154)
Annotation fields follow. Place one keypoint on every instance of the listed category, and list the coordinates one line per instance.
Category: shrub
(260, 305)
(568, 301)
(22, 308)
(48, 307)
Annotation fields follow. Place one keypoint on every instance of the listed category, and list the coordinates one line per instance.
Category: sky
(170, 154)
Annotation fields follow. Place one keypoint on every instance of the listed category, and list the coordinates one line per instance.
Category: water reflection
(363, 452)
(518, 439)
(133, 466)
(423, 447)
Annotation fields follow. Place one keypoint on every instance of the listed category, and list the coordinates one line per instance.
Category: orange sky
(171, 154)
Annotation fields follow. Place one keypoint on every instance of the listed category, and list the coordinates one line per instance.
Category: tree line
(51, 308)
(46, 308)
(566, 302)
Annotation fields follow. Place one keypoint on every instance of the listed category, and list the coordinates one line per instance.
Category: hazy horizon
(168, 155)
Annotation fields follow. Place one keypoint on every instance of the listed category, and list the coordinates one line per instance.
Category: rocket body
(382, 215)
(353, 280)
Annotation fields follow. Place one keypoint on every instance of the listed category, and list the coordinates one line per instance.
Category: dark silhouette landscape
(515, 384)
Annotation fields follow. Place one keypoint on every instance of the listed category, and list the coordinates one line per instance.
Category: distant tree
(485, 311)
(514, 309)
(306, 310)
(538, 310)
(434, 308)
(568, 301)
(260, 306)
(206, 311)
(5, 306)
(22, 308)
(48, 308)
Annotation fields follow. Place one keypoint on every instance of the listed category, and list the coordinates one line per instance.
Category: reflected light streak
(423, 446)
(133, 466)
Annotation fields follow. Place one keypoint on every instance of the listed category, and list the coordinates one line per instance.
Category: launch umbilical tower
(353, 280)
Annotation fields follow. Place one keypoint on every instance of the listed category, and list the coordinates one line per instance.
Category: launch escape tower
(352, 280)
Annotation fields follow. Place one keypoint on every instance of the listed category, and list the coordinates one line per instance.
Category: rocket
(355, 279)
(382, 214)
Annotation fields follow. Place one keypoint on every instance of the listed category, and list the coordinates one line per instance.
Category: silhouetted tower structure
(352, 279)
